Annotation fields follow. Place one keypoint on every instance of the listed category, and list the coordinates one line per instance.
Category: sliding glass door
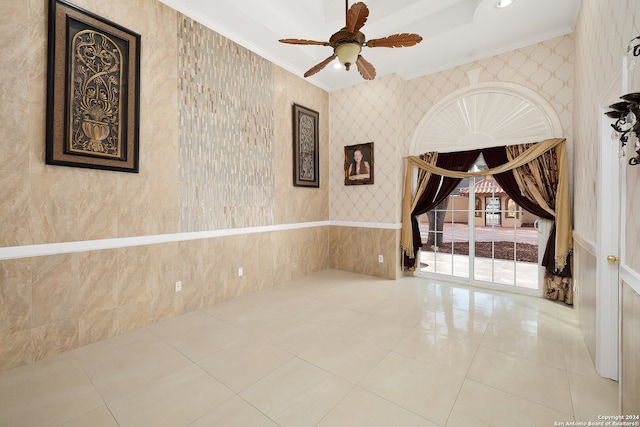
(478, 234)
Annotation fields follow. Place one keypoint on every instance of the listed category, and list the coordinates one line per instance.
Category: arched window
(513, 210)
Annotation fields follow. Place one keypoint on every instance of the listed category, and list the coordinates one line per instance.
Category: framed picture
(305, 147)
(93, 91)
(358, 164)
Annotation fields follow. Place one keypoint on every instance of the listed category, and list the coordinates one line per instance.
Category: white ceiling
(454, 32)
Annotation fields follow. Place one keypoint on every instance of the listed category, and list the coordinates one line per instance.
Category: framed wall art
(305, 147)
(358, 164)
(93, 86)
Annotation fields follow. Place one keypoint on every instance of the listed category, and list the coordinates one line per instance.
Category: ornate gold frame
(93, 101)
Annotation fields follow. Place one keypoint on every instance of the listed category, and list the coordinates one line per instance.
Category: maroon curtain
(497, 156)
(438, 188)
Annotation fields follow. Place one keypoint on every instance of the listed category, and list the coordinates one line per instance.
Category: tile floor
(330, 349)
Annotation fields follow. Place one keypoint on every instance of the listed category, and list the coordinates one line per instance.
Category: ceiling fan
(349, 41)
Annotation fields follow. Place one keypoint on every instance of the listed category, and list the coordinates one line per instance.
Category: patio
(505, 272)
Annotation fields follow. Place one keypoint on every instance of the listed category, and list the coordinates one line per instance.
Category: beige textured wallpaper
(388, 110)
(546, 68)
(368, 112)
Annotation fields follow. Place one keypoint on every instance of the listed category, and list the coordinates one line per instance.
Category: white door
(607, 268)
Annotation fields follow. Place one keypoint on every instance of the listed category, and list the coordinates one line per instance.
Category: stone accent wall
(226, 132)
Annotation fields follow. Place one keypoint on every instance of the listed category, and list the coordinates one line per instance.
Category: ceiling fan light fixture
(504, 3)
(348, 42)
(348, 53)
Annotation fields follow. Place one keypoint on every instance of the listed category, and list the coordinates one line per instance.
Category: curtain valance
(561, 211)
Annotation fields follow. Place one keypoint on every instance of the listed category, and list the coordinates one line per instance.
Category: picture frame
(93, 91)
(354, 174)
(306, 156)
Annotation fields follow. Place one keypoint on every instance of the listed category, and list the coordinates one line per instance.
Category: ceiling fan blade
(319, 66)
(366, 70)
(395, 40)
(300, 41)
(356, 17)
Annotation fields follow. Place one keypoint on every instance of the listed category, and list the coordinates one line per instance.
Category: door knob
(613, 259)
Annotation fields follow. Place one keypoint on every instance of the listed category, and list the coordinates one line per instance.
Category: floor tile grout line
(97, 391)
(396, 404)
(238, 396)
(573, 409)
(520, 356)
(466, 374)
(304, 361)
(518, 396)
(353, 386)
(164, 374)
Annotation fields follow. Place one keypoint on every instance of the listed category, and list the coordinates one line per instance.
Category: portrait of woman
(359, 164)
(359, 168)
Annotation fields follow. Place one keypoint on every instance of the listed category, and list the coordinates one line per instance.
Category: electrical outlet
(178, 286)
(240, 271)
(380, 258)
